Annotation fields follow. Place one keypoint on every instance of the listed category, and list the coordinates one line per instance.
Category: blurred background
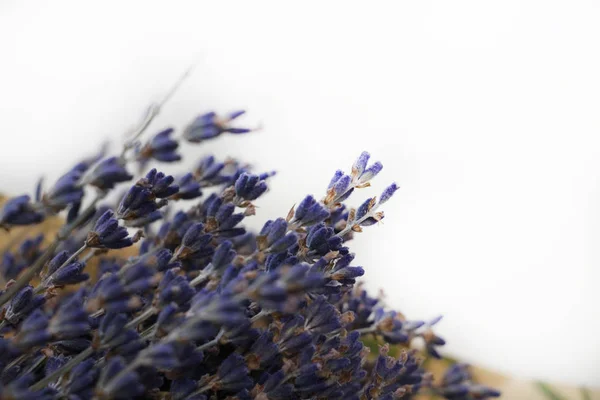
(485, 113)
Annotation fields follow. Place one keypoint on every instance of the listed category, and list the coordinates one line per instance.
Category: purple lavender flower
(209, 126)
(233, 374)
(15, 263)
(161, 148)
(195, 243)
(22, 304)
(189, 188)
(175, 289)
(33, 331)
(209, 171)
(20, 211)
(275, 238)
(70, 320)
(309, 212)
(108, 234)
(249, 187)
(203, 308)
(139, 206)
(66, 191)
(106, 174)
(70, 274)
(457, 385)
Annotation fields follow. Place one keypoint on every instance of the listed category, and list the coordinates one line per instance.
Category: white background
(485, 113)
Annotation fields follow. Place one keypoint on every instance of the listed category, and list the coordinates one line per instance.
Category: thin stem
(32, 271)
(205, 273)
(16, 361)
(350, 225)
(88, 256)
(150, 311)
(199, 391)
(177, 85)
(212, 342)
(36, 364)
(258, 316)
(97, 313)
(62, 370)
(364, 331)
(151, 331)
(152, 112)
(73, 256)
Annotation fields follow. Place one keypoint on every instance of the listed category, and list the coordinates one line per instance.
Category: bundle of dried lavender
(204, 309)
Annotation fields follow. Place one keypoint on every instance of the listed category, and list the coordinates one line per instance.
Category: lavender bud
(107, 174)
(161, 148)
(108, 234)
(19, 211)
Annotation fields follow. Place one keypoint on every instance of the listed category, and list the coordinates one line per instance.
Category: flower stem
(205, 273)
(350, 225)
(212, 342)
(364, 331)
(258, 316)
(150, 311)
(74, 255)
(151, 113)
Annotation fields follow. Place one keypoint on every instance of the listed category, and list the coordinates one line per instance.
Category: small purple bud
(360, 164)
(388, 193)
(371, 172)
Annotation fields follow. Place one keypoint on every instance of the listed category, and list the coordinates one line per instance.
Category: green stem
(549, 392)
(585, 394)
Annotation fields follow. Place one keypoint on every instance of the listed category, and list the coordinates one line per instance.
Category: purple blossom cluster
(205, 309)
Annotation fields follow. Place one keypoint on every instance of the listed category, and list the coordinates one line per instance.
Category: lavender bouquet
(201, 308)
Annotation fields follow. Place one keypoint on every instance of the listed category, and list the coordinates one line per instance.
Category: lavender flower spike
(209, 126)
(106, 174)
(204, 308)
(161, 148)
(107, 234)
(19, 211)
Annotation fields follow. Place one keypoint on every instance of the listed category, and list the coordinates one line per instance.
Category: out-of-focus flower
(210, 125)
